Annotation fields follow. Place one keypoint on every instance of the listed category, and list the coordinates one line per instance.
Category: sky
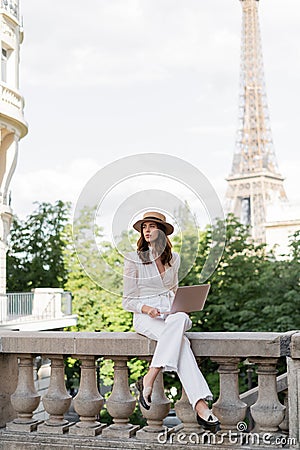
(106, 79)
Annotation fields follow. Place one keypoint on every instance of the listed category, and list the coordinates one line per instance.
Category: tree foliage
(97, 302)
(251, 290)
(35, 256)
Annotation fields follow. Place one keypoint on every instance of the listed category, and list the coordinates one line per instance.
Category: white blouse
(144, 285)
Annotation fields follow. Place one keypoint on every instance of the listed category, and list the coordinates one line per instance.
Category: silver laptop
(190, 298)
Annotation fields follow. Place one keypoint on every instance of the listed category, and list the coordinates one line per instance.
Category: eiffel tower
(254, 182)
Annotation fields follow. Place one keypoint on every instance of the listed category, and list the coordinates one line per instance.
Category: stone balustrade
(12, 105)
(12, 7)
(11, 98)
(274, 421)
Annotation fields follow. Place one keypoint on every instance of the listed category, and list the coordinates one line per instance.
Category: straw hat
(154, 217)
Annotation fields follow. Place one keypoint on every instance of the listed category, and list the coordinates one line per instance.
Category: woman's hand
(152, 312)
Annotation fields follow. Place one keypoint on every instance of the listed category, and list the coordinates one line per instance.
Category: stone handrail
(226, 349)
(212, 344)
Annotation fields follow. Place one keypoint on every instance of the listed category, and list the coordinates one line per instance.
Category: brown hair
(163, 243)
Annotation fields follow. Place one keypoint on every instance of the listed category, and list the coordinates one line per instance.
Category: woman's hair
(162, 245)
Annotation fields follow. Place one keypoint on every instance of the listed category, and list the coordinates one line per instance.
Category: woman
(150, 283)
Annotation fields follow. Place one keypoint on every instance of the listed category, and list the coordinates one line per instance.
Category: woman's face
(150, 231)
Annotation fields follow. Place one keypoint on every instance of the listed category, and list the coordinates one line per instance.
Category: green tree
(36, 244)
(278, 309)
(95, 278)
(251, 290)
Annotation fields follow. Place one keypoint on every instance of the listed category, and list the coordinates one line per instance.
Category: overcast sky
(104, 79)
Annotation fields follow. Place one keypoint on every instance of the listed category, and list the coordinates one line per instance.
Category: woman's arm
(151, 311)
(131, 300)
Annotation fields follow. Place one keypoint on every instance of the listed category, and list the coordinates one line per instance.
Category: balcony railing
(12, 105)
(12, 99)
(43, 304)
(19, 305)
(11, 6)
(276, 424)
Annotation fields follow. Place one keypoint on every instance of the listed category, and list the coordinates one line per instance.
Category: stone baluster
(8, 385)
(121, 403)
(88, 402)
(57, 400)
(284, 425)
(293, 371)
(186, 414)
(229, 409)
(267, 412)
(160, 407)
(25, 399)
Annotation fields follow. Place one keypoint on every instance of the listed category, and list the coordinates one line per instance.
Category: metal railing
(29, 306)
(66, 303)
(19, 304)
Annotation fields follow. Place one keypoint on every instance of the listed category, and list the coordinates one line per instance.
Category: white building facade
(12, 123)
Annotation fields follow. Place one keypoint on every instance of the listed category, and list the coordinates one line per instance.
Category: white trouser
(173, 351)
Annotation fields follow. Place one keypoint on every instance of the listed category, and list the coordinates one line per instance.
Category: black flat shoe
(145, 393)
(211, 424)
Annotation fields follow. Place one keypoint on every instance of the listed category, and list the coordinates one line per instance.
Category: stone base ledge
(114, 431)
(23, 427)
(49, 429)
(85, 431)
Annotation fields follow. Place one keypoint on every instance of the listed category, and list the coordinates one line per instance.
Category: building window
(245, 211)
(4, 56)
